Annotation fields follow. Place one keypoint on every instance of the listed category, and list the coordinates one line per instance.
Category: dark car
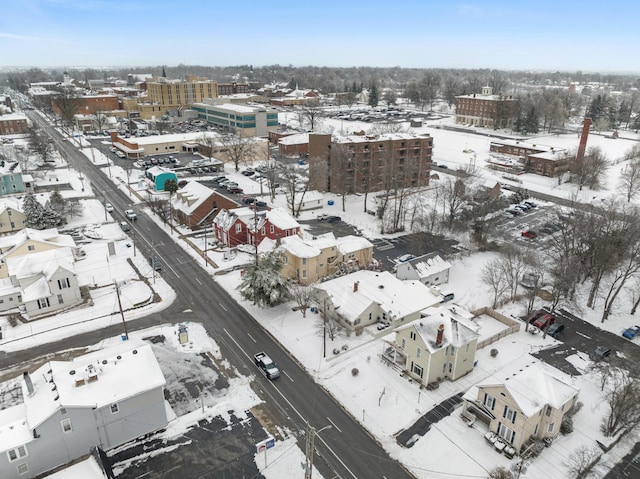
(235, 189)
(535, 315)
(555, 329)
(631, 332)
(155, 263)
(529, 234)
(333, 219)
(248, 200)
(600, 353)
(261, 204)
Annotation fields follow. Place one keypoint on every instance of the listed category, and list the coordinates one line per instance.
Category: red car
(529, 234)
(235, 189)
(544, 321)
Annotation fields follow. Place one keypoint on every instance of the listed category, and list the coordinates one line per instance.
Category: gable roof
(188, 198)
(227, 218)
(278, 217)
(49, 236)
(533, 386)
(122, 372)
(429, 264)
(456, 332)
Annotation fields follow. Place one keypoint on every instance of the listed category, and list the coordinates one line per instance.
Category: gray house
(104, 399)
(42, 282)
(430, 269)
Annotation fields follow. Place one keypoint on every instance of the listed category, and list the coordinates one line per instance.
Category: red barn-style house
(246, 226)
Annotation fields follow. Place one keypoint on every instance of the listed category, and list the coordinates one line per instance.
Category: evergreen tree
(261, 282)
(32, 212)
(57, 203)
(373, 95)
(532, 120)
(354, 88)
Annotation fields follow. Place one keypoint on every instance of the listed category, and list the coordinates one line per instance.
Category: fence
(513, 326)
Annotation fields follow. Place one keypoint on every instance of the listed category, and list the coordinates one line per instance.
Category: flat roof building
(244, 120)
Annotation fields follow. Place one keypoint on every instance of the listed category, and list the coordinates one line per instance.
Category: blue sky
(519, 34)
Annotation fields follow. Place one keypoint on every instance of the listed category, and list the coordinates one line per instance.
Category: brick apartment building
(361, 163)
(539, 159)
(233, 88)
(90, 104)
(485, 110)
(13, 124)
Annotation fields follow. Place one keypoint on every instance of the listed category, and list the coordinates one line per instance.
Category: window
(60, 300)
(271, 229)
(304, 260)
(506, 433)
(415, 369)
(238, 228)
(547, 411)
(114, 408)
(43, 303)
(413, 335)
(262, 231)
(418, 352)
(551, 426)
(31, 247)
(489, 401)
(403, 343)
(23, 468)
(535, 431)
(509, 414)
(17, 453)
(66, 425)
(304, 273)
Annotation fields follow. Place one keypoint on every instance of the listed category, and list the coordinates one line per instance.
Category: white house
(366, 297)
(312, 200)
(105, 399)
(41, 282)
(429, 269)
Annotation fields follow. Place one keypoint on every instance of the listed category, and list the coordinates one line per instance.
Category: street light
(308, 465)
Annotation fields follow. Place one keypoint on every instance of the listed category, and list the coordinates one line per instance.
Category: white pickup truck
(266, 365)
(130, 214)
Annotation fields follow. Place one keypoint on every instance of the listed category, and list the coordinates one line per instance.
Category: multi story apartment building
(361, 163)
(13, 123)
(245, 120)
(233, 88)
(175, 94)
(485, 110)
(88, 104)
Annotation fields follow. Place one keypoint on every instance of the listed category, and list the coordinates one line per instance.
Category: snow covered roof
(299, 247)
(49, 236)
(298, 139)
(44, 263)
(234, 107)
(429, 264)
(378, 138)
(9, 203)
(397, 298)
(191, 196)
(279, 217)
(458, 329)
(13, 116)
(226, 218)
(173, 138)
(312, 195)
(533, 386)
(93, 380)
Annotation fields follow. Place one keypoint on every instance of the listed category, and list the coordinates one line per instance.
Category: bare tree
(629, 180)
(500, 473)
(100, 119)
(237, 148)
(493, 277)
(207, 144)
(591, 169)
(389, 97)
(40, 144)
(68, 104)
(622, 394)
(295, 187)
(313, 113)
(302, 295)
(453, 193)
(580, 462)
(350, 99)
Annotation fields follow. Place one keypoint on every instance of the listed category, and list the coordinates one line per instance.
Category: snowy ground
(378, 397)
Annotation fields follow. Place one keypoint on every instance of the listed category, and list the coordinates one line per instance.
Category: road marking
(290, 378)
(222, 306)
(198, 281)
(334, 425)
(252, 338)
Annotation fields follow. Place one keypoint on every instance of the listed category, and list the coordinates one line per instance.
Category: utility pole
(311, 437)
(324, 328)
(124, 323)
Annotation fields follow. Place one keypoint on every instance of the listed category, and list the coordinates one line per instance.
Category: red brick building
(90, 104)
(13, 124)
(539, 159)
(246, 226)
(361, 163)
(195, 205)
(232, 88)
(485, 110)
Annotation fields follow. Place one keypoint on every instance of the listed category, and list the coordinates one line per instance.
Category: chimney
(355, 287)
(582, 146)
(440, 334)
(27, 381)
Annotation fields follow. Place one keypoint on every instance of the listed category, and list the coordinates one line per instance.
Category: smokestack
(355, 287)
(582, 147)
(440, 335)
(27, 381)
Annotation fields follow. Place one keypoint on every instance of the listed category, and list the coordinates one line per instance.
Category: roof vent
(104, 361)
(381, 286)
(118, 357)
(72, 372)
(135, 351)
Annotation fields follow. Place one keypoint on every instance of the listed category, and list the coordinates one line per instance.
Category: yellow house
(528, 402)
(439, 346)
(11, 216)
(310, 259)
(29, 241)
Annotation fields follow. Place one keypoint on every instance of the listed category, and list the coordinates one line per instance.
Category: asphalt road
(345, 450)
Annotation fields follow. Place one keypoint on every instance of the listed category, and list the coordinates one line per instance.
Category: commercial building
(13, 124)
(539, 159)
(177, 94)
(364, 163)
(244, 120)
(485, 109)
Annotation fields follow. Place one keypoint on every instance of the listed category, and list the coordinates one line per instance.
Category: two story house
(308, 259)
(195, 205)
(11, 216)
(522, 403)
(441, 345)
(105, 398)
(429, 269)
(41, 283)
(247, 226)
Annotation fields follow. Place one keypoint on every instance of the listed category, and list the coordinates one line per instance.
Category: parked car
(261, 204)
(108, 207)
(230, 184)
(124, 226)
(544, 321)
(248, 200)
(535, 315)
(404, 258)
(131, 215)
(248, 172)
(530, 203)
(555, 329)
(120, 154)
(631, 332)
(235, 190)
(513, 212)
(333, 219)
(600, 353)
(155, 263)
(529, 234)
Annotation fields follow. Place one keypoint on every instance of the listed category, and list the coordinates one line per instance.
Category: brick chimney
(582, 146)
(355, 287)
(440, 335)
